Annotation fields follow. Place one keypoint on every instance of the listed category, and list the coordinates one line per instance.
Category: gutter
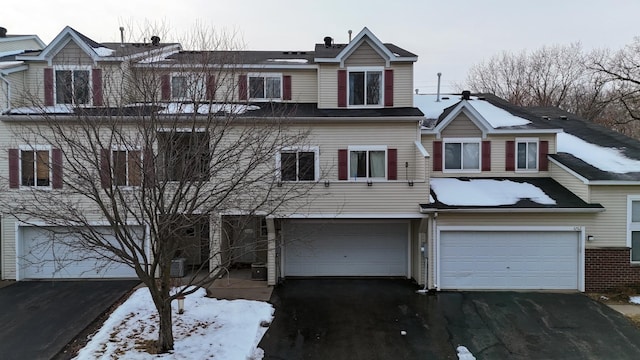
(515, 210)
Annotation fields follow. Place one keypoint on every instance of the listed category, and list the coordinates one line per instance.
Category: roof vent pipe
(350, 32)
(466, 95)
(438, 96)
(3, 32)
(155, 40)
(327, 41)
(122, 36)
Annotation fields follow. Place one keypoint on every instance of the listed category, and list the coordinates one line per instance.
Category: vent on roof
(155, 40)
(545, 117)
(482, 98)
(563, 117)
(3, 32)
(466, 95)
(328, 40)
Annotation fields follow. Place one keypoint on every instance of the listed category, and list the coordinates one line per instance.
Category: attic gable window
(365, 86)
(72, 86)
(265, 86)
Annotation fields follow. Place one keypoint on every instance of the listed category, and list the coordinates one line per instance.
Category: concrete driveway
(363, 319)
(38, 318)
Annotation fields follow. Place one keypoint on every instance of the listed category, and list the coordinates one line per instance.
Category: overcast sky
(448, 36)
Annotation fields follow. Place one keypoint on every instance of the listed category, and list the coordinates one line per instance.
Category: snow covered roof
(593, 152)
(488, 112)
(502, 193)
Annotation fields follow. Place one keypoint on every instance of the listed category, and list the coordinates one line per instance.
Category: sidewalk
(238, 285)
(627, 309)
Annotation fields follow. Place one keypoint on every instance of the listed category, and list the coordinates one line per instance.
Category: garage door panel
(509, 260)
(58, 254)
(346, 249)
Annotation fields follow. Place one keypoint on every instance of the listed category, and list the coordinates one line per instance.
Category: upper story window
(72, 85)
(367, 162)
(298, 164)
(184, 155)
(187, 86)
(35, 166)
(127, 167)
(265, 86)
(462, 155)
(365, 86)
(526, 154)
(633, 227)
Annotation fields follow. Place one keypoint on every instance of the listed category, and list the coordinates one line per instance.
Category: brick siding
(607, 269)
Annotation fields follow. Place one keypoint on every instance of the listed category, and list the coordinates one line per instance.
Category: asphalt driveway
(38, 318)
(364, 319)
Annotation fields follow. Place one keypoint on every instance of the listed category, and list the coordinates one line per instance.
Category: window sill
(265, 100)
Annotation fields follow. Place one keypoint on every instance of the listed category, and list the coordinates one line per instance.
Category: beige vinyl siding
(304, 86)
(17, 80)
(11, 44)
(461, 126)
(364, 55)
(349, 196)
(402, 85)
(569, 181)
(498, 156)
(71, 55)
(610, 227)
(33, 85)
(8, 250)
(327, 86)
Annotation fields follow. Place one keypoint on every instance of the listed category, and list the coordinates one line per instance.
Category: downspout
(8, 92)
(435, 242)
(424, 247)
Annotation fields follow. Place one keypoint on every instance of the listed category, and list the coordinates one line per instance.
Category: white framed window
(126, 167)
(526, 154)
(298, 164)
(187, 86)
(633, 227)
(367, 163)
(35, 166)
(264, 86)
(365, 86)
(461, 154)
(72, 85)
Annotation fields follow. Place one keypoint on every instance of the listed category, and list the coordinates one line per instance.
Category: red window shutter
(56, 168)
(543, 150)
(510, 161)
(242, 87)
(342, 88)
(286, 87)
(437, 156)
(48, 87)
(96, 79)
(148, 167)
(342, 164)
(392, 164)
(211, 87)
(105, 168)
(165, 87)
(486, 156)
(388, 87)
(14, 168)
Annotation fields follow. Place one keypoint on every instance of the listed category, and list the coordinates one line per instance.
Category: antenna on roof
(122, 36)
(438, 95)
(350, 32)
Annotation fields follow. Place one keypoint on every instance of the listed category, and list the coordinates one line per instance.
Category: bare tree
(550, 76)
(129, 181)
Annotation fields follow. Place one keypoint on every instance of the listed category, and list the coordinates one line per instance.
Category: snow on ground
(179, 108)
(634, 300)
(603, 158)
(464, 353)
(486, 192)
(208, 329)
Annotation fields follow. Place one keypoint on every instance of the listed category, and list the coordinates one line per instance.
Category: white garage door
(509, 260)
(345, 249)
(45, 254)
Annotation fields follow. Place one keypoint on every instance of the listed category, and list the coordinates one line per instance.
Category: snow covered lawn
(634, 300)
(208, 329)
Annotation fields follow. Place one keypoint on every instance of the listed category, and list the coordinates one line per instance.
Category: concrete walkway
(627, 309)
(239, 285)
